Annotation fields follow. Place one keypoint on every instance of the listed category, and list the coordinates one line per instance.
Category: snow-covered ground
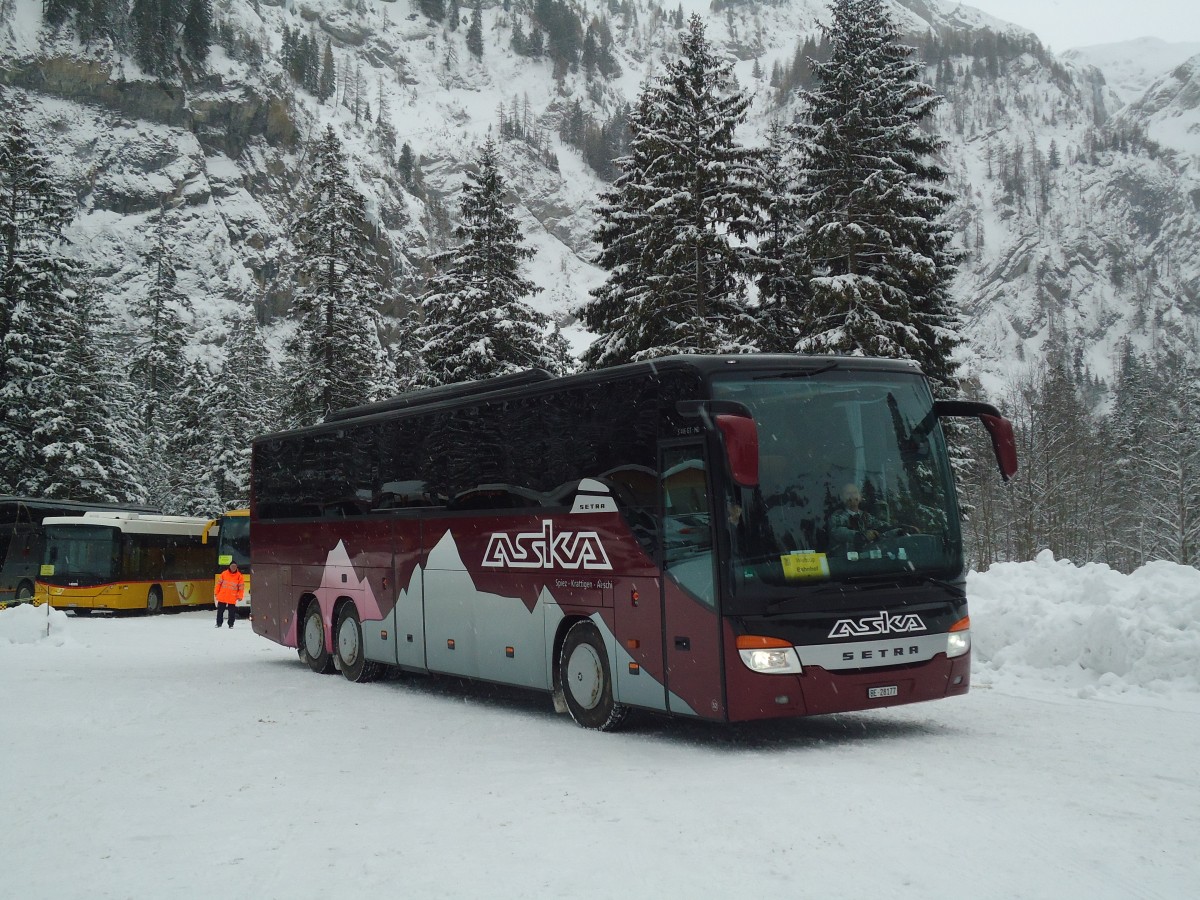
(159, 757)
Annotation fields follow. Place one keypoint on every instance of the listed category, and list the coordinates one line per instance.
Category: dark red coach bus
(721, 537)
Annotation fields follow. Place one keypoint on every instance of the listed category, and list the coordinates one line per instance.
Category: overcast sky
(1063, 24)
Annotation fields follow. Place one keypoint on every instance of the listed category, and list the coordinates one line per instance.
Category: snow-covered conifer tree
(35, 296)
(197, 30)
(160, 309)
(157, 363)
(671, 228)
(775, 266)
(475, 31)
(878, 260)
(188, 446)
(84, 443)
(335, 358)
(244, 399)
(476, 322)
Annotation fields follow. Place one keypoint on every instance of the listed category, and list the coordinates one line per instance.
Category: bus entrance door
(691, 626)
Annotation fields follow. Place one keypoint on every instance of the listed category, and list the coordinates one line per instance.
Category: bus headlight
(772, 656)
(958, 641)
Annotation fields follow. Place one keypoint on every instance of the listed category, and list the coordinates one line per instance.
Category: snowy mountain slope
(1169, 111)
(1130, 67)
(1075, 221)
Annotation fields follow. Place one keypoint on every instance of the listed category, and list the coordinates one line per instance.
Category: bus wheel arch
(584, 677)
(24, 592)
(311, 644)
(154, 600)
(348, 647)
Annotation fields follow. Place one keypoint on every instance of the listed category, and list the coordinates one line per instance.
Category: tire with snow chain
(348, 645)
(312, 641)
(587, 681)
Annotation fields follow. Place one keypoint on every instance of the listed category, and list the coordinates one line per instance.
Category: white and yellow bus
(232, 536)
(116, 561)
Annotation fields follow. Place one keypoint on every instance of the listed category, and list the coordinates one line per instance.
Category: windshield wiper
(797, 373)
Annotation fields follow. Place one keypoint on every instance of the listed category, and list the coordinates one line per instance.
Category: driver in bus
(851, 527)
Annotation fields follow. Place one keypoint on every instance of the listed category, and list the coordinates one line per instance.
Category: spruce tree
(157, 364)
(95, 378)
(197, 30)
(475, 31)
(335, 358)
(153, 24)
(327, 81)
(776, 268)
(244, 399)
(476, 322)
(672, 229)
(188, 446)
(160, 308)
(878, 261)
(35, 293)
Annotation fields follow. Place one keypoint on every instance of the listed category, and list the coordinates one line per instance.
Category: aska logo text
(880, 623)
(546, 550)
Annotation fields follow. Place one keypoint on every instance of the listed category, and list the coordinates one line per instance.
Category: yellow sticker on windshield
(46, 570)
(225, 559)
(804, 564)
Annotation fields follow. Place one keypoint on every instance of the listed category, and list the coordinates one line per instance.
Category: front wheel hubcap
(585, 676)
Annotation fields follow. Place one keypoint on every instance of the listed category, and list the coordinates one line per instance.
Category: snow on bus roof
(135, 523)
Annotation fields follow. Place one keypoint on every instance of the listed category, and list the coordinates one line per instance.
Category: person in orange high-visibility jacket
(230, 586)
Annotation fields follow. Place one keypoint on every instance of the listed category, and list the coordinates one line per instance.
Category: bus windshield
(234, 542)
(80, 552)
(854, 483)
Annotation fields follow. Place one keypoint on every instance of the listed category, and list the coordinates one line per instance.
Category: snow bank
(29, 624)
(1087, 627)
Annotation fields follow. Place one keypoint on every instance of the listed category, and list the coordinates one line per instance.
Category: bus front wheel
(24, 592)
(586, 680)
(348, 645)
(154, 601)
(312, 642)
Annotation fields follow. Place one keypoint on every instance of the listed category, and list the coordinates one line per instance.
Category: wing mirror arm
(1004, 444)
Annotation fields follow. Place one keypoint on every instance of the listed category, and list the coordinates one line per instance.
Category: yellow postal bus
(118, 561)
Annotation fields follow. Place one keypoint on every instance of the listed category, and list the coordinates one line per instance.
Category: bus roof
(535, 381)
(10, 505)
(135, 523)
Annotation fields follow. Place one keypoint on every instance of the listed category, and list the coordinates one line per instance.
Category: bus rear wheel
(154, 601)
(586, 680)
(348, 645)
(312, 641)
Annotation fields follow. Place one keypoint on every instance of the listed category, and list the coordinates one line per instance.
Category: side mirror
(1004, 445)
(738, 432)
(741, 447)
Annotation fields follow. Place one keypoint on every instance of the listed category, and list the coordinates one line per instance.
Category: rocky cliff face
(1079, 213)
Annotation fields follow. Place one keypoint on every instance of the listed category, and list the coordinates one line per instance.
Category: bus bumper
(752, 695)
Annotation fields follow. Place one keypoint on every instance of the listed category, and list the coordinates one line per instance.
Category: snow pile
(29, 624)
(1087, 627)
